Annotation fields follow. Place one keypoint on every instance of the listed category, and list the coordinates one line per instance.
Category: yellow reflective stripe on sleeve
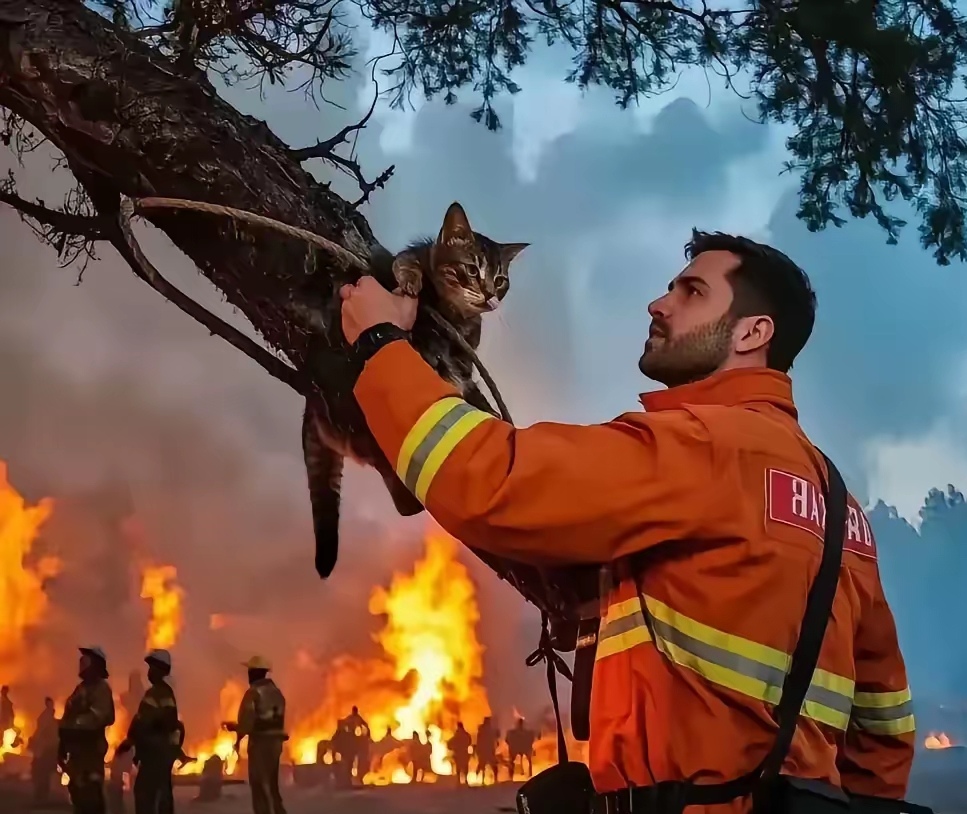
(882, 700)
(431, 440)
(741, 665)
(420, 430)
(901, 726)
(884, 713)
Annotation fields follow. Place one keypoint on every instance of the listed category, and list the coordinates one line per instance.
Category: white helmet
(94, 650)
(162, 657)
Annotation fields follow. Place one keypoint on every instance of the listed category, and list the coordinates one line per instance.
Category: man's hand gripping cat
(367, 303)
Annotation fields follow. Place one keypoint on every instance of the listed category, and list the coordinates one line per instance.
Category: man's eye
(693, 290)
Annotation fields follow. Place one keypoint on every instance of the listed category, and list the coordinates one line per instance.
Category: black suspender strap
(819, 609)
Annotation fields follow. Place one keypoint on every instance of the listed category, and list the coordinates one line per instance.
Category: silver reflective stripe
(768, 675)
(622, 625)
(884, 713)
(428, 444)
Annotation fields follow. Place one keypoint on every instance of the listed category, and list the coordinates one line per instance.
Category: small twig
(127, 245)
(323, 149)
(146, 204)
(91, 227)
(326, 150)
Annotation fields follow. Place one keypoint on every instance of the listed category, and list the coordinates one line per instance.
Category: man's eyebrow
(687, 279)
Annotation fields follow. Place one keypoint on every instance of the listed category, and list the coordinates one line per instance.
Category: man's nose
(658, 308)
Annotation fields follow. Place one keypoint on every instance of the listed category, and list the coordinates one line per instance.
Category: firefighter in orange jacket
(709, 507)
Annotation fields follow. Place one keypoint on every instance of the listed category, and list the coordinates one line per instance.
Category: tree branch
(326, 150)
(71, 230)
(123, 239)
(323, 149)
(171, 135)
(90, 226)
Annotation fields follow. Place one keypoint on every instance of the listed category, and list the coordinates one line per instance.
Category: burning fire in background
(159, 586)
(429, 676)
(23, 603)
(425, 678)
(223, 743)
(938, 740)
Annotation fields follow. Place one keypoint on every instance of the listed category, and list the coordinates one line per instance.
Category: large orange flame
(429, 677)
(222, 743)
(23, 602)
(159, 585)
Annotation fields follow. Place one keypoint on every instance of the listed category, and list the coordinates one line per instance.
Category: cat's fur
(462, 274)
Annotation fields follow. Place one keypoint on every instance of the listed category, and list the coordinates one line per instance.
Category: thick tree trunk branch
(121, 114)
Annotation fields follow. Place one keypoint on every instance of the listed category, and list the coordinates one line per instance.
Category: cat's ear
(508, 251)
(456, 227)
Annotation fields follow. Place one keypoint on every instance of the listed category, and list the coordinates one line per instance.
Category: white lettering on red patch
(796, 501)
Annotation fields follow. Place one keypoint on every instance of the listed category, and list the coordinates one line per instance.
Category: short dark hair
(765, 282)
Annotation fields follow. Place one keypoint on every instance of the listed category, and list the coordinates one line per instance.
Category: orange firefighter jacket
(709, 509)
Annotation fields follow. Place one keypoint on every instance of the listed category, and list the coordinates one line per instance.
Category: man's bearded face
(673, 358)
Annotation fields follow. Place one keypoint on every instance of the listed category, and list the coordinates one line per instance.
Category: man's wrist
(373, 339)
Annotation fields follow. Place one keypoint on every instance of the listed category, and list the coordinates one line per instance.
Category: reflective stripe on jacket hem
(884, 713)
(741, 665)
(431, 440)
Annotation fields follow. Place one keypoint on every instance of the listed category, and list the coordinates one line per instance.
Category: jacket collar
(729, 388)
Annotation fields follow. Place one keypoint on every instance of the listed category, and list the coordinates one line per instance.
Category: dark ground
(939, 780)
(421, 799)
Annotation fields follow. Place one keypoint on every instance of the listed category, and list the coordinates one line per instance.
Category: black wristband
(374, 338)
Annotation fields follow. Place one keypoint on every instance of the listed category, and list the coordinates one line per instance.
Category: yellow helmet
(257, 663)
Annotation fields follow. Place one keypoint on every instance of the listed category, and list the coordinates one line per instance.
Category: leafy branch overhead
(870, 91)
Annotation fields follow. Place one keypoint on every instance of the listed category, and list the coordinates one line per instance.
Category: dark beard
(690, 357)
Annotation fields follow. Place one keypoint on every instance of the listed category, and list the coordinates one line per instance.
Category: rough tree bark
(130, 124)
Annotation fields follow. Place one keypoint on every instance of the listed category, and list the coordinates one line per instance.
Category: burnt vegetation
(871, 90)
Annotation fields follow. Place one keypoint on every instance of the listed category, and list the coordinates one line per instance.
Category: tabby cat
(462, 274)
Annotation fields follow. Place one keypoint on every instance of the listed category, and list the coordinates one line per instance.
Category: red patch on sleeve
(795, 501)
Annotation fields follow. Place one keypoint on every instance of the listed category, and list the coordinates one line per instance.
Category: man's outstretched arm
(551, 493)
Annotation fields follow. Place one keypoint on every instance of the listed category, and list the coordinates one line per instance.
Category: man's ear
(753, 333)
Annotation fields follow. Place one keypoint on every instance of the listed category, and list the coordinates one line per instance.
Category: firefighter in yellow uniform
(156, 735)
(82, 746)
(43, 750)
(261, 718)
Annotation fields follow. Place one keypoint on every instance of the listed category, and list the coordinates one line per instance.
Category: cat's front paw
(409, 276)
